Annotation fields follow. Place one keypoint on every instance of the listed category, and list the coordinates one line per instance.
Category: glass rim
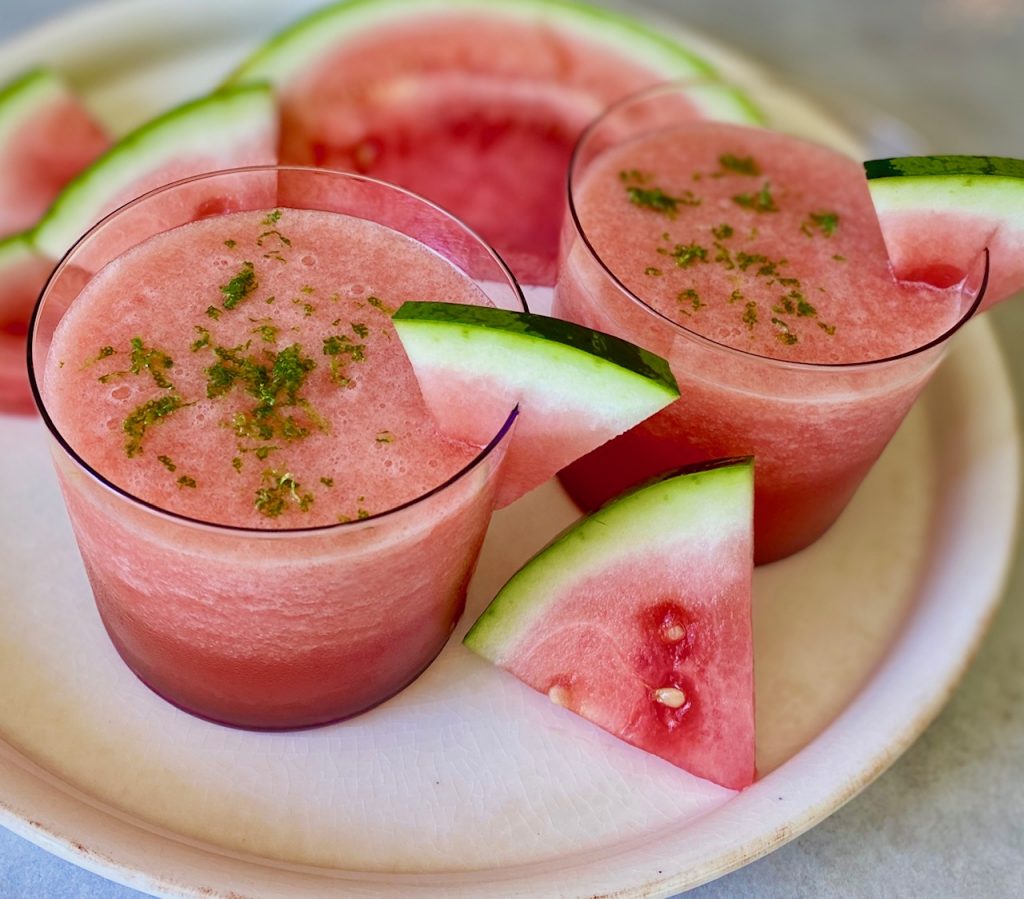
(267, 533)
(678, 86)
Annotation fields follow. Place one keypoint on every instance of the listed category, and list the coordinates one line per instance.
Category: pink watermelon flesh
(607, 648)
(477, 113)
(549, 434)
(21, 281)
(42, 155)
(942, 247)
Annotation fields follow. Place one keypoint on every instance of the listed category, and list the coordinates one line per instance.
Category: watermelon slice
(475, 106)
(46, 137)
(575, 388)
(638, 619)
(938, 213)
(227, 129)
(22, 275)
(230, 128)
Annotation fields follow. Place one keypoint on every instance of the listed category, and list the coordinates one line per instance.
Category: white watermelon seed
(671, 696)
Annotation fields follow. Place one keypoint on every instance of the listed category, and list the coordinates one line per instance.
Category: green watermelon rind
(22, 96)
(499, 333)
(16, 249)
(301, 44)
(991, 186)
(212, 123)
(705, 505)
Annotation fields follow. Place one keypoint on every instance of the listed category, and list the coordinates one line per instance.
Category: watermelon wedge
(47, 136)
(474, 105)
(575, 388)
(226, 129)
(22, 275)
(938, 213)
(230, 128)
(638, 619)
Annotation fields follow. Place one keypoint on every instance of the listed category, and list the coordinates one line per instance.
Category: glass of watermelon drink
(275, 533)
(753, 261)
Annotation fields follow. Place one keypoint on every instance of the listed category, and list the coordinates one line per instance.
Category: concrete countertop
(945, 820)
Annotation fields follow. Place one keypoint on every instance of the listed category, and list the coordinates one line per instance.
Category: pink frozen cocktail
(754, 262)
(275, 532)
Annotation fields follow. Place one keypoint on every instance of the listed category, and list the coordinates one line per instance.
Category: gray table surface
(947, 820)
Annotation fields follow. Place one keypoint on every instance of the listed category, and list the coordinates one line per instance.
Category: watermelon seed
(559, 695)
(673, 697)
(673, 634)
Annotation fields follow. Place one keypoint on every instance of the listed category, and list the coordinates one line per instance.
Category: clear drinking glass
(275, 628)
(814, 430)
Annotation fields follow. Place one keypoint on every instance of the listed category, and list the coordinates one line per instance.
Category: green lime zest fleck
(653, 271)
(740, 165)
(762, 201)
(360, 330)
(213, 312)
(657, 200)
(145, 359)
(186, 481)
(686, 255)
(105, 352)
(690, 298)
(823, 222)
(240, 286)
(280, 491)
(327, 482)
(385, 437)
(230, 244)
(723, 232)
(167, 463)
(203, 340)
(272, 218)
(750, 314)
(783, 333)
(273, 233)
(378, 303)
(145, 416)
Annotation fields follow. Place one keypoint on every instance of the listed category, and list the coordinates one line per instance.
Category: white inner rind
(710, 506)
(993, 196)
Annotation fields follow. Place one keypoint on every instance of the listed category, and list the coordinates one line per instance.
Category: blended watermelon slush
(283, 537)
(754, 262)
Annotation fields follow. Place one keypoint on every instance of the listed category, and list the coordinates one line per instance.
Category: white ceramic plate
(468, 784)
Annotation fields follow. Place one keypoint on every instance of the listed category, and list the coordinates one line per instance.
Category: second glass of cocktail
(753, 261)
(275, 533)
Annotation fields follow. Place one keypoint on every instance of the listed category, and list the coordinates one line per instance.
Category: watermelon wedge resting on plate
(47, 136)
(939, 213)
(226, 129)
(474, 105)
(638, 619)
(575, 388)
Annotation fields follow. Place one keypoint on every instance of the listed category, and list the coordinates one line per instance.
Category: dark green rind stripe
(620, 352)
(941, 166)
(633, 503)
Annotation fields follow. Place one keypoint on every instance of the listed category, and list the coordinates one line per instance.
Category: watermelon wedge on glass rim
(475, 106)
(47, 136)
(638, 619)
(575, 388)
(938, 213)
(227, 129)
